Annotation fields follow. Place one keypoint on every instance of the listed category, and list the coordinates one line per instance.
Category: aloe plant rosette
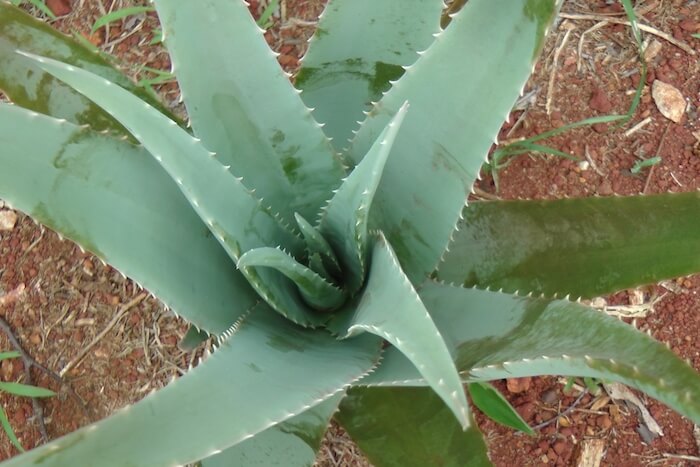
(338, 266)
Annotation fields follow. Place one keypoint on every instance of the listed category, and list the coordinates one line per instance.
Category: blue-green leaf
(269, 371)
(390, 307)
(291, 443)
(317, 292)
(495, 336)
(244, 108)
(358, 47)
(113, 199)
(460, 90)
(344, 220)
(316, 244)
(210, 188)
(29, 86)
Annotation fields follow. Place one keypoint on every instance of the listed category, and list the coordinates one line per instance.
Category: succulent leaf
(390, 307)
(29, 86)
(450, 127)
(315, 290)
(113, 199)
(315, 243)
(291, 443)
(358, 48)
(269, 371)
(409, 427)
(525, 337)
(317, 264)
(492, 403)
(244, 108)
(344, 220)
(206, 184)
(174, 217)
(609, 244)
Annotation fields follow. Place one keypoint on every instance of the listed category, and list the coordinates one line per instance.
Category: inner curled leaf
(337, 250)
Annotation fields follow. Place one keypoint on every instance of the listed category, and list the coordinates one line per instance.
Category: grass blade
(119, 14)
(8, 430)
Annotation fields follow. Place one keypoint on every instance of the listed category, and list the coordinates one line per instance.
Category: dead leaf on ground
(518, 385)
(621, 392)
(669, 100)
(8, 220)
(12, 295)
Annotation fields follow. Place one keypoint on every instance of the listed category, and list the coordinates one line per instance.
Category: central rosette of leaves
(340, 275)
(302, 273)
(327, 263)
(323, 281)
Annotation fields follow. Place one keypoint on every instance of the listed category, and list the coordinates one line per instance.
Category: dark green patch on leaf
(383, 73)
(540, 11)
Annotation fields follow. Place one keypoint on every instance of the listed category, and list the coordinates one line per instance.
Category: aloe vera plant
(335, 262)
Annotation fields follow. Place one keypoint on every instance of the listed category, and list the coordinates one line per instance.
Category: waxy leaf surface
(578, 247)
(269, 371)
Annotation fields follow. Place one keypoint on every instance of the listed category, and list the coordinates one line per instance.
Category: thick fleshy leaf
(244, 108)
(492, 403)
(211, 189)
(29, 86)
(358, 47)
(344, 220)
(292, 443)
(317, 245)
(114, 200)
(409, 427)
(578, 247)
(460, 91)
(269, 371)
(317, 292)
(390, 307)
(201, 177)
(494, 336)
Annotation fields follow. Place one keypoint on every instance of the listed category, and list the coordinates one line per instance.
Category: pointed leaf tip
(492, 403)
(319, 293)
(344, 222)
(391, 308)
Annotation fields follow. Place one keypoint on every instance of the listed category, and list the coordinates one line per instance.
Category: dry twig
(567, 411)
(555, 66)
(122, 311)
(651, 30)
(30, 362)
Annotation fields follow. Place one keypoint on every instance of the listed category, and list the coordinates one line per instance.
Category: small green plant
(502, 156)
(17, 389)
(118, 15)
(265, 20)
(642, 163)
(336, 264)
(38, 4)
